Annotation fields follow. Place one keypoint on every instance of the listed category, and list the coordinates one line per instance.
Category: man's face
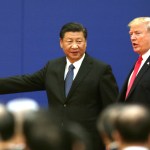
(140, 38)
(74, 45)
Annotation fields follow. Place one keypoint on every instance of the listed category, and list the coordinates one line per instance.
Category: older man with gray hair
(136, 88)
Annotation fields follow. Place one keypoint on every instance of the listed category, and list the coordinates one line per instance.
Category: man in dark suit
(140, 39)
(94, 86)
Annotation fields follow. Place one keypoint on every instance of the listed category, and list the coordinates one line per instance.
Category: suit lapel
(83, 71)
(143, 70)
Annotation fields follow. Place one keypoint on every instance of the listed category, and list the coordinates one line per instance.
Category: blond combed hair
(140, 20)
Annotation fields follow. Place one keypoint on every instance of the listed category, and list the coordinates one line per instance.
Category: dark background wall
(29, 34)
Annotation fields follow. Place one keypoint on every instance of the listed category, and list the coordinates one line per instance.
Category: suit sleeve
(23, 83)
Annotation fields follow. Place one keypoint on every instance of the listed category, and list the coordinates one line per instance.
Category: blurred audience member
(19, 107)
(133, 128)
(43, 132)
(7, 124)
(106, 125)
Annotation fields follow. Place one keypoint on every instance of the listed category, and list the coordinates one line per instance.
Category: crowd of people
(121, 127)
(86, 110)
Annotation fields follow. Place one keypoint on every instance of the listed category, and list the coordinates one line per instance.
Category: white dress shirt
(144, 56)
(76, 64)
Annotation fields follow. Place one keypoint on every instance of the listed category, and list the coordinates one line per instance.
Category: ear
(116, 135)
(105, 139)
(61, 43)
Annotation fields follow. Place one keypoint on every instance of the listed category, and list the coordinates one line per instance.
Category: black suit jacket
(140, 91)
(92, 90)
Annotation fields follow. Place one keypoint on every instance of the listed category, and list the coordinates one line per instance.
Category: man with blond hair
(136, 88)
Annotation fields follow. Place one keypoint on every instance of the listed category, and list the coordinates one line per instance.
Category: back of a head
(133, 124)
(20, 106)
(42, 131)
(78, 137)
(106, 120)
(7, 123)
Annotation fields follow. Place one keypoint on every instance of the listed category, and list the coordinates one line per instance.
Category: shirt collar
(76, 64)
(146, 55)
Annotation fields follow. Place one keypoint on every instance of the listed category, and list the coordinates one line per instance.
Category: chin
(136, 51)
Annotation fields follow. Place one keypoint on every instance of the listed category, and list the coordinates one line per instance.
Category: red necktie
(135, 71)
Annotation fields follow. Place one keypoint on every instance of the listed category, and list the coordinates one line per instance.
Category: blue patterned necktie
(69, 79)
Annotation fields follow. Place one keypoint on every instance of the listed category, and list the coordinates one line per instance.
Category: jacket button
(65, 105)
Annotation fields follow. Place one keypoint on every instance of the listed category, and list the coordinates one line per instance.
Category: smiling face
(74, 45)
(140, 38)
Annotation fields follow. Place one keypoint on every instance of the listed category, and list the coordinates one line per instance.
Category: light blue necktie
(69, 79)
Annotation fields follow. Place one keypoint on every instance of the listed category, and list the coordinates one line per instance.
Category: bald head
(133, 113)
(133, 123)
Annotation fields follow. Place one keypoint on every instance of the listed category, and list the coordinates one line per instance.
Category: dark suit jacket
(92, 90)
(140, 91)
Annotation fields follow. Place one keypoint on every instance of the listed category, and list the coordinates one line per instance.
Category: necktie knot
(139, 60)
(71, 67)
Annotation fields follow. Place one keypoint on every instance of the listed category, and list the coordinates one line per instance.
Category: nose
(74, 45)
(133, 37)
